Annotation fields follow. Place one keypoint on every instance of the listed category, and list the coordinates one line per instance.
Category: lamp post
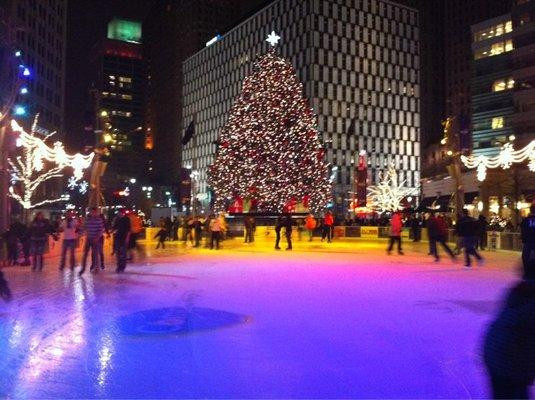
(452, 145)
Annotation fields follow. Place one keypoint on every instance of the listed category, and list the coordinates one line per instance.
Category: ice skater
(396, 226)
(5, 292)
(249, 224)
(162, 236)
(509, 346)
(70, 230)
(215, 232)
(121, 238)
(438, 232)
(94, 230)
(527, 228)
(287, 223)
(467, 230)
(39, 231)
(310, 225)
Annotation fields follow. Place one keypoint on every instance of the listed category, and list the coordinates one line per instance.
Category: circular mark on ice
(177, 320)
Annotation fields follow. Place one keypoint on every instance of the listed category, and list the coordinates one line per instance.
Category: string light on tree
(505, 159)
(269, 151)
(389, 193)
(38, 163)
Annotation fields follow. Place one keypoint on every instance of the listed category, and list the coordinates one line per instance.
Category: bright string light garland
(388, 194)
(28, 167)
(507, 157)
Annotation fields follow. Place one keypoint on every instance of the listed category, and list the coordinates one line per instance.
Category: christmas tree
(269, 152)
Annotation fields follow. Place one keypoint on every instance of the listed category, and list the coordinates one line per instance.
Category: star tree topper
(273, 39)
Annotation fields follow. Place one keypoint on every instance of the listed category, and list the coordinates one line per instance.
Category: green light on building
(126, 31)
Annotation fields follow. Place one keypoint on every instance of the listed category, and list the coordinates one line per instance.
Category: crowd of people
(26, 244)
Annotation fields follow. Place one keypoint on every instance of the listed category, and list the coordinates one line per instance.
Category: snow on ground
(248, 322)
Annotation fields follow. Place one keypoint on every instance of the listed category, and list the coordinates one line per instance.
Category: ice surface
(242, 324)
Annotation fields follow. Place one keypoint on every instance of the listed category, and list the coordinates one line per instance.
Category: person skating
(328, 226)
(438, 232)
(161, 236)
(23, 234)
(5, 291)
(39, 231)
(12, 245)
(249, 224)
(94, 230)
(197, 229)
(70, 230)
(467, 230)
(310, 225)
(278, 228)
(482, 225)
(136, 227)
(416, 228)
(121, 238)
(509, 345)
(215, 232)
(287, 223)
(396, 226)
(527, 234)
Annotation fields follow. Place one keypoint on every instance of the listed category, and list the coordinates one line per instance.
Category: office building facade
(492, 85)
(41, 39)
(358, 62)
(118, 94)
(174, 30)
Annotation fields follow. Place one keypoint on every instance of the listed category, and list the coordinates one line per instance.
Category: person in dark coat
(416, 228)
(197, 229)
(467, 230)
(438, 231)
(278, 228)
(174, 227)
(12, 244)
(482, 225)
(287, 224)
(527, 234)
(39, 231)
(509, 345)
(121, 238)
(5, 292)
(249, 224)
(23, 234)
(161, 236)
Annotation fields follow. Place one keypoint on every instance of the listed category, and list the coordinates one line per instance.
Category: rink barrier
(495, 240)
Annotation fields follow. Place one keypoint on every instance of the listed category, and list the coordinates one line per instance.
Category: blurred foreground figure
(5, 292)
(509, 348)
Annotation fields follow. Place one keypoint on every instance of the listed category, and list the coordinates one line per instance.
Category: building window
(493, 31)
(502, 84)
(497, 122)
(494, 49)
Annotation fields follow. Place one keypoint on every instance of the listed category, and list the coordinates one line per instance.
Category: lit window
(126, 97)
(125, 79)
(509, 45)
(502, 84)
(497, 122)
(508, 26)
(112, 77)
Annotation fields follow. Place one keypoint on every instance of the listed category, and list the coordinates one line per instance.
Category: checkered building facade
(358, 62)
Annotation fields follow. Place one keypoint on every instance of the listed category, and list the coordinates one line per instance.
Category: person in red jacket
(396, 226)
(437, 230)
(328, 225)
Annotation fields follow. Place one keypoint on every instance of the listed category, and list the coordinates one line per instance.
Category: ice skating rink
(320, 322)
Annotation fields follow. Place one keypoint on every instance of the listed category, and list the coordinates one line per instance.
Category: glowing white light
(273, 39)
(48, 162)
(507, 157)
(388, 194)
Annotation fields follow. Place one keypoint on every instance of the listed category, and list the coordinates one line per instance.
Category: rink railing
(495, 240)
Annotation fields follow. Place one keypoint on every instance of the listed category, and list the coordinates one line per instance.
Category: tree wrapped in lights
(505, 159)
(38, 163)
(269, 151)
(388, 194)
